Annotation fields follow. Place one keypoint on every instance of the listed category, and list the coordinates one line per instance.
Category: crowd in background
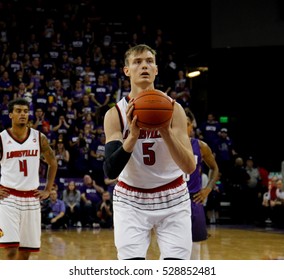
(67, 60)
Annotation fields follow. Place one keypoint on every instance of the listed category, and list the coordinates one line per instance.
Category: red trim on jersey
(20, 141)
(39, 139)
(120, 118)
(19, 193)
(172, 185)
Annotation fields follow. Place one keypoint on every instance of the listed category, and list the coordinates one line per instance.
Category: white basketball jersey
(20, 161)
(150, 164)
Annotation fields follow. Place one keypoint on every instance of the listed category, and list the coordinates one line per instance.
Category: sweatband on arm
(115, 159)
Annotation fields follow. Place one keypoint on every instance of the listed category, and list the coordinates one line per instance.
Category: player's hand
(166, 129)
(4, 193)
(201, 195)
(42, 194)
(134, 129)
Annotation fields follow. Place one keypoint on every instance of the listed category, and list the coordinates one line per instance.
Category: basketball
(153, 108)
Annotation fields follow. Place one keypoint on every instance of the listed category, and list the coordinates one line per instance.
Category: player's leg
(10, 235)
(195, 253)
(199, 229)
(30, 228)
(174, 233)
(132, 234)
(23, 255)
(11, 253)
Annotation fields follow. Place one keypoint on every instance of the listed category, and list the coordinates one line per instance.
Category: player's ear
(126, 71)
(157, 70)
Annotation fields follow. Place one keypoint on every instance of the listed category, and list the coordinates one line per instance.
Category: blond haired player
(150, 193)
(20, 149)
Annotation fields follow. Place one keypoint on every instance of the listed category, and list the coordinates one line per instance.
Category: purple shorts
(199, 227)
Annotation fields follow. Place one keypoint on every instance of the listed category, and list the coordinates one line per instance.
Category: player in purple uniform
(202, 153)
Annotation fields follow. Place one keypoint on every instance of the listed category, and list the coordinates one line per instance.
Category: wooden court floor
(224, 243)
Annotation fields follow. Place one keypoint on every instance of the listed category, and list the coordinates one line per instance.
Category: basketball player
(150, 193)
(21, 148)
(202, 153)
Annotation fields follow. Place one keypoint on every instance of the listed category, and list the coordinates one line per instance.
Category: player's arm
(209, 159)
(3, 192)
(50, 159)
(115, 155)
(178, 142)
(117, 152)
(1, 148)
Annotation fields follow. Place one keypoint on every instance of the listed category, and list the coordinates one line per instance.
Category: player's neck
(136, 90)
(19, 132)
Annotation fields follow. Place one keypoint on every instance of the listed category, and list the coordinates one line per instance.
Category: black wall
(247, 85)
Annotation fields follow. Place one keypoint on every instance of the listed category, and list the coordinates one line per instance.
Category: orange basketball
(153, 109)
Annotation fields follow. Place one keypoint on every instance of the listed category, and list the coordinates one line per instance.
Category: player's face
(20, 115)
(142, 68)
(189, 128)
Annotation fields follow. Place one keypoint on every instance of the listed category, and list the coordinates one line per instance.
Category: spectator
(250, 200)
(209, 131)
(20, 78)
(78, 68)
(109, 185)
(124, 90)
(6, 86)
(88, 85)
(237, 190)
(21, 91)
(277, 205)
(266, 210)
(72, 200)
(56, 212)
(62, 127)
(40, 99)
(91, 195)
(77, 94)
(63, 157)
(101, 99)
(263, 183)
(225, 153)
(181, 85)
(37, 76)
(213, 202)
(61, 94)
(88, 121)
(79, 153)
(85, 107)
(114, 74)
(39, 119)
(105, 211)
(4, 113)
(97, 157)
(70, 114)
(14, 66)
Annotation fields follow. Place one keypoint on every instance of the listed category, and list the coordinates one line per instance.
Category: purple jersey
(194, 185)
(193, 180)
